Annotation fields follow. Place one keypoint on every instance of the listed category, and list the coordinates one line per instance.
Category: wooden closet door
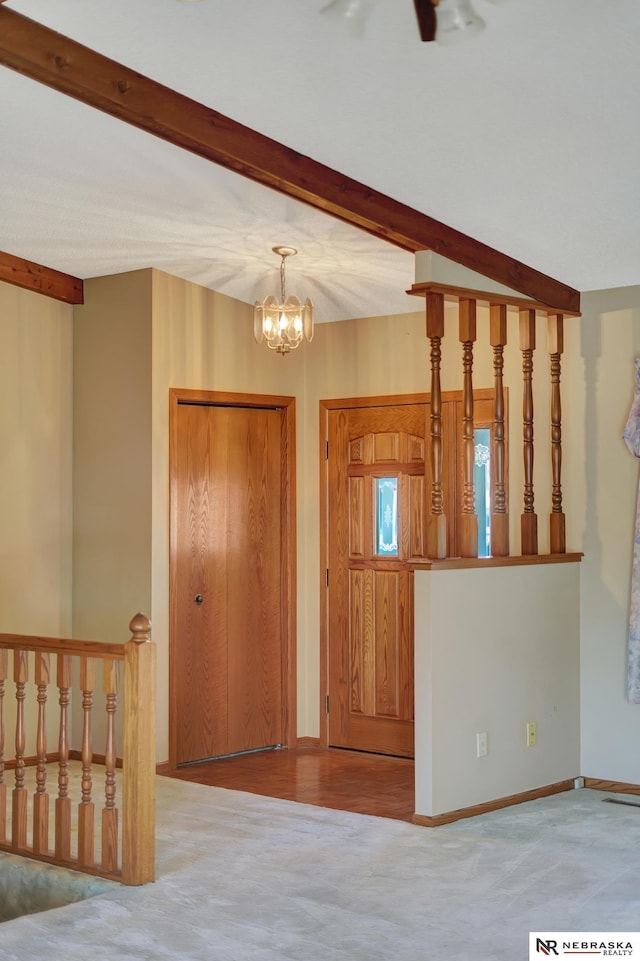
(227, 586)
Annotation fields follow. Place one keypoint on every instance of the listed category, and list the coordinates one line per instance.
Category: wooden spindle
(110, 811)
(468, 540)
(499, 515)
(436, 521)
(4, 673)
(20, 793)
(86, 808)
(529, 518)
(557, 535)
(64, 679)
(41, 798)
(138, 830)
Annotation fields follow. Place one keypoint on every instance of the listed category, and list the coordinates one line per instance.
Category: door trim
(348, 403)
(286, 405)
(342, 403)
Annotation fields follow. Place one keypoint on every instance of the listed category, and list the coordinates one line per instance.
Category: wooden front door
(376, 494)
(231, 578)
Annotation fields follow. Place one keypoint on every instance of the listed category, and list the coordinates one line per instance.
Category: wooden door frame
(348, 403)
(326, 406)
(287, 407)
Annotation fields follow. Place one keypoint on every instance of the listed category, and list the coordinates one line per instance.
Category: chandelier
(286, 323)
(443, 20)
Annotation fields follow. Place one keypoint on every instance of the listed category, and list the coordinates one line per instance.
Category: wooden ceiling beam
(65, 65)
(42, 280)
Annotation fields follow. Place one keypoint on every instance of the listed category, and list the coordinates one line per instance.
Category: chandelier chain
(282, 280)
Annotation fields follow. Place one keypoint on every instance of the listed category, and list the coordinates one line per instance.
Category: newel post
(139, 755)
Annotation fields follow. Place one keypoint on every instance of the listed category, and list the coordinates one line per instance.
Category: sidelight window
(387, 516)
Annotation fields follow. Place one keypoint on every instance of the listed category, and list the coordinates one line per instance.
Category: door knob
(198, 598)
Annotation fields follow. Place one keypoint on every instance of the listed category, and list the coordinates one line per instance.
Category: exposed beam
(43, 280)
(65, 65)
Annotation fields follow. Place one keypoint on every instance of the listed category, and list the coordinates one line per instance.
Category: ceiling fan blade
(426, 14)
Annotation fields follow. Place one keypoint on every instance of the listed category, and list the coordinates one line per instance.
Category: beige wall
(191, 348)
(112, 456)
(111, 467)
(355, 358)
(141, 333)
(201, 340)
(35, 474)
(35, 463)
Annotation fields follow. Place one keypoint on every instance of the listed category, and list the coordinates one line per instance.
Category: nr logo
(546, 947)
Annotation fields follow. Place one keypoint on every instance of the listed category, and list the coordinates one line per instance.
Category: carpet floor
(248, 878)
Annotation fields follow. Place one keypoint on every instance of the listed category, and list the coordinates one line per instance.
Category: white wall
(495, 648)
(604, 480)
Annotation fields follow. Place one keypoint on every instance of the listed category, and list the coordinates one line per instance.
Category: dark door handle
(198, 598)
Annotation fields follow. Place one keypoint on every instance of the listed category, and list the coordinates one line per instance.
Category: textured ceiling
(525, 137)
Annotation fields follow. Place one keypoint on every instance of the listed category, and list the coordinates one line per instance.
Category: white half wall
(496, 647)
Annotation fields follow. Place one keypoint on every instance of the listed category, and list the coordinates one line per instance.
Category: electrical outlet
(532, 734)
(482, 744)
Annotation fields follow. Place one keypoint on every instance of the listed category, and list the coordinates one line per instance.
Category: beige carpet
(247, 878)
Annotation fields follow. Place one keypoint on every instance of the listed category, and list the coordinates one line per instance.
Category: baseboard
(32, 761)
(53, 757)
(449, 816)
(164, 768)
(308, 742)
(616, 787)
(95, 758)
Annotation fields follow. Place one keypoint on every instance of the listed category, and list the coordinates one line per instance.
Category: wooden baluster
(41, 798)
(110, 811)
(557, 536)
(499, 515)
(469, 519)
(20, 793)
(138, 829)
(437, 521)
(86, 808)
(529, 519)
(63, 801)
(4, 673)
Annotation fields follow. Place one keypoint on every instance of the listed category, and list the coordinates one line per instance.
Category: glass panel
(482, 488)
(387, 516)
